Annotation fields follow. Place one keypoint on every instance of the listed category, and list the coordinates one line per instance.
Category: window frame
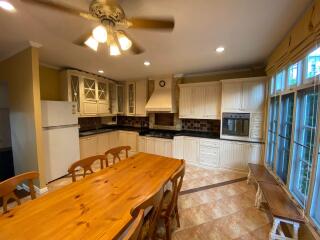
(299, 75)
(305, 79)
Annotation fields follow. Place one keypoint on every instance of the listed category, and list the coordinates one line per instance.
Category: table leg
(249, 176)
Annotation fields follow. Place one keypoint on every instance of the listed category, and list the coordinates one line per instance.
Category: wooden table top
(279, 203)
(261, 174)
(97, 207)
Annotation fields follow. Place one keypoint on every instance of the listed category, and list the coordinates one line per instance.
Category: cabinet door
(113, 139)
(168, 148)
(142, 144)
(255, 154)
(231, 96)
(88, 146)
(103, 143)
(90, 106)
(233, 155)
(198, 102)
(178, 147)
(103, 107)
(191, 150)
(122, 138)
(159, 147)
(131, 98)
(132, 140)
(112, 98)
(140, 98)
(253, 96)
(150, 145)
(75, 90)
(185, 102)
(120, 97)
(212, 101)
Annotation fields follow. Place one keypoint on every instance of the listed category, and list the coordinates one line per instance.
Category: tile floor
(219, 213)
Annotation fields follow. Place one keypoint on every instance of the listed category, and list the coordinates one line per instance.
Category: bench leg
(249, 177)
(259, 198)
(276, 232)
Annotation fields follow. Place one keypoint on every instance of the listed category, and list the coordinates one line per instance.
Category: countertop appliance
(236, 124)
(60, 137)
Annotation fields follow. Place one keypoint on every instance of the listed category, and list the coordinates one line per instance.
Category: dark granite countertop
(167, 134)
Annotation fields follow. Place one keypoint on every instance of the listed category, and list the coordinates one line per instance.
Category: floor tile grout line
(193, 190)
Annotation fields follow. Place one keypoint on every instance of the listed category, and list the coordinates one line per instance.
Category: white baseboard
(39, 191)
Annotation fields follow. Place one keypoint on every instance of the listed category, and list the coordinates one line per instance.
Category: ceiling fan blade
(135, 48)
(151, 23)
(61, 7)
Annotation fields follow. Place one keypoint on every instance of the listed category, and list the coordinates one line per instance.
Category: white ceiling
(249, 30)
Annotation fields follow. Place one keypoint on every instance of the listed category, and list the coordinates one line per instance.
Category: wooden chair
(8, 186)
(115, 152)
(135, 228)
(152, 208)
(86, 165)
(170, 201)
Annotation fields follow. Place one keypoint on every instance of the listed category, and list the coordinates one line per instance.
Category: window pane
(284, 138)
(315, 206)
(293, 75)
(280, 80)
(313, 63)
(306, 119)
(272, 130)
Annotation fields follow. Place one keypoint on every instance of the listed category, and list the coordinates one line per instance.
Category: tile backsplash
(89, 123)
(133, 121)
(202, 125)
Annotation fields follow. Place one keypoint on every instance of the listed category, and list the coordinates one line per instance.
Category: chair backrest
(177, 180)
(135, 228)
(115, 152)
(154, 204)
(8, 186)
(86, 165)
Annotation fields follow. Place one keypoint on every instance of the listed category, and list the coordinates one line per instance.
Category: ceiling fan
(113, 22)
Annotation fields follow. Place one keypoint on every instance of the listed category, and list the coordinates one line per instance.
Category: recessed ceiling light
(7, 6)
(220, 50)
(147, 63)
(100, 71)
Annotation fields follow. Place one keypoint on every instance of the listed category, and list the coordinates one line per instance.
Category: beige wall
(220, 75)
(21, 71)
(49, 84)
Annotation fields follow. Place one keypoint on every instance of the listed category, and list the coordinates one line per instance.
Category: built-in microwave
(236, 124)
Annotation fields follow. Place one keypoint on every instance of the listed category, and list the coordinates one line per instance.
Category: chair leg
(177, 216)
(168, 229)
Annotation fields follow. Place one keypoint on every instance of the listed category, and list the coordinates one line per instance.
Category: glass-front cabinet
(120, 96)
(131, 98)
(94, 95)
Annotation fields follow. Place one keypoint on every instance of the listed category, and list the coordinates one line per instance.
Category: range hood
(163, 97)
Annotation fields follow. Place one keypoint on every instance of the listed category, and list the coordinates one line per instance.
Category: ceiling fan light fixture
(114, 50)
(100, 34)
(124, 41)
(7, 6)
(92, 43)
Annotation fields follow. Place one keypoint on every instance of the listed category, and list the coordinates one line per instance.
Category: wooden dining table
(97, 207)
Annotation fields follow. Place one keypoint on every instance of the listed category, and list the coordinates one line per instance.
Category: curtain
(303, 37)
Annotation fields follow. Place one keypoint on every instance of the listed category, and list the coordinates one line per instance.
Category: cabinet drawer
(209, 143)
(208, 150)
(257, 117)
(208, 159)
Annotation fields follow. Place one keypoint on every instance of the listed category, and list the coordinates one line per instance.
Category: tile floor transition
(217, 213)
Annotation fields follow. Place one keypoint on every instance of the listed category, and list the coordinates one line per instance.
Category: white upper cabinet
(94, 95)
(231, 96)
(200, 100)
(136, 98)
(244, 95)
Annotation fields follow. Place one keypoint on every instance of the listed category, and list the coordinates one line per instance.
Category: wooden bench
(280, 205)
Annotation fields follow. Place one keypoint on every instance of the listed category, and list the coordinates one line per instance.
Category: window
(272, 129)
(272, 86)
(280, 77)
(313, 64)
(306, 115)
(293, 75)
(284, 137)
(315, 206)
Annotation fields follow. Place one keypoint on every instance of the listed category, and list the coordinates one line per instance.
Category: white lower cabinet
(88, 146)
(177, 151)
(191, 150)
(158, 146)
(209, 152)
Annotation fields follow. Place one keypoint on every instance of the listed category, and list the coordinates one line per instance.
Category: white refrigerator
(60, 137)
